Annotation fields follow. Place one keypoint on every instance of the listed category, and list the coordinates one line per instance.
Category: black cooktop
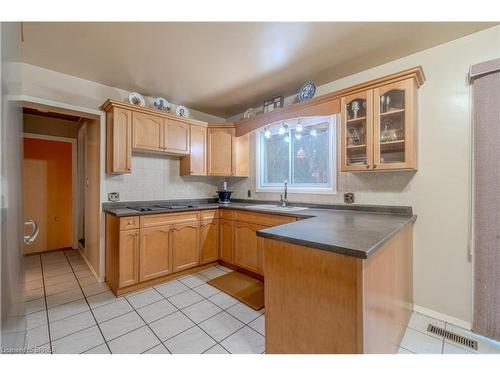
(160, 207)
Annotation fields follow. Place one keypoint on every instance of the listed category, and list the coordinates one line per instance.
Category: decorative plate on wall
(136, 99)
(161, 104)
(182, 111)
(307, 91)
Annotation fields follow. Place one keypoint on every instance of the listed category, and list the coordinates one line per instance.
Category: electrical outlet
(114, 197)
(249, 193)
(348, 198)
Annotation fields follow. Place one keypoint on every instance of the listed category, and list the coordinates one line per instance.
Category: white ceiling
(224, 68)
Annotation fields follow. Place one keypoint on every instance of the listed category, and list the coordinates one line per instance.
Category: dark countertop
(354, 230)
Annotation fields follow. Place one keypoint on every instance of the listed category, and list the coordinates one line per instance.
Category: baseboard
(444, 317)
(100, 279)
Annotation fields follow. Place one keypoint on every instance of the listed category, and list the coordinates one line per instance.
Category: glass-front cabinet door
(357, 124)
(393, 126)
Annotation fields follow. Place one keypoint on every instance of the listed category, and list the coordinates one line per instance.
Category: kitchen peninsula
(349, 279)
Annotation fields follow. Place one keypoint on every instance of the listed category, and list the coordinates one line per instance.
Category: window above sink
(301, 151)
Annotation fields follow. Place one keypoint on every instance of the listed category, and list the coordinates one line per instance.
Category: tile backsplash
(157, 177)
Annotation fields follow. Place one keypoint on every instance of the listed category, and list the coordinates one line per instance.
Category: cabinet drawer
(262, 219)
(209, 214)
(227, 214)
(156, 220)
(130, 222)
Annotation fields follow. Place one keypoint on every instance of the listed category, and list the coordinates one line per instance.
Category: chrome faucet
(284, 200)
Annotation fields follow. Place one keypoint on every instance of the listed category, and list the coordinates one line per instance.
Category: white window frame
(330, 189)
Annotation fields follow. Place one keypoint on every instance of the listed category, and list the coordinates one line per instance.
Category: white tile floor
(70, 312)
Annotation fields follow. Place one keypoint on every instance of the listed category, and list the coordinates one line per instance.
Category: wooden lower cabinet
(209, 241)
(140, 249)
(246, 244)
(155, 256)
(128, 273)
(185, 246)
(226, 233)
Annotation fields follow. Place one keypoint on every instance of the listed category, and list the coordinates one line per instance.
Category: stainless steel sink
(273, 207)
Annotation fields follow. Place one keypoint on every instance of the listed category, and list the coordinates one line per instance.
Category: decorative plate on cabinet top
(249, 113)
(161, 104)
(307, 91)
(136, 99)
(182, 111)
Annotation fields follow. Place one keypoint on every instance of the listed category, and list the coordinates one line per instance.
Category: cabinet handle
(374, 165)
(130, 222)
(367, 166)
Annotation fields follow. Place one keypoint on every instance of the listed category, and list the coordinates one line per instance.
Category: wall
(439, 191)
(50, 126)
(153, 176)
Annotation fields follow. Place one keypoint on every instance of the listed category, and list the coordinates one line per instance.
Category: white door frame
(74, 174)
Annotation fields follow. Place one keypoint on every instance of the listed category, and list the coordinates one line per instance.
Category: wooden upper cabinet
(209, 241)
(147, 132)
(379, 128)
(196, 163)
(119, 140)
(219, 145)
(246, 246)
(395, 126)
(128, 273)
(155, 258)
(227, 155)
(357, 127)
(240, 156)
(176, 137)
(185, 246)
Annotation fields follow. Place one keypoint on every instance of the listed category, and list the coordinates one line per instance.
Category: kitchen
(330, 218)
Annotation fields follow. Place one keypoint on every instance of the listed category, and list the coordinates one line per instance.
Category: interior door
(47, 193)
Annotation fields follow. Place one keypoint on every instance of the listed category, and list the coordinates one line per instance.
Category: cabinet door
(240, 156)
(128, 268)
(185, 246)
(176, 137)
(196, 163)
(357, 127)
(147, 132)
(246, 252)
(119, 140)
(155, 257)
(220, 151)
(226, 230)
(209, 241)
(394, 126)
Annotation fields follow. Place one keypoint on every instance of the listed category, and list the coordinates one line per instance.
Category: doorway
(62, 180)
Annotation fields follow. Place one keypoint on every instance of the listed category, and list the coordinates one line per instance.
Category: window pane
(310, 155)
(275, 157)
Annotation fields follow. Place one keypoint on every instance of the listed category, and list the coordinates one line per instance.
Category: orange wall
(48, 191)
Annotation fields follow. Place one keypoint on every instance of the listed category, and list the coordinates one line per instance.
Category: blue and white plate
(307, 91)
(161, 104)
(136, 99)
(182, 111)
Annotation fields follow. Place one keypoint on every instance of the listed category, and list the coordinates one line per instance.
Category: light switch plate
(114, 197)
